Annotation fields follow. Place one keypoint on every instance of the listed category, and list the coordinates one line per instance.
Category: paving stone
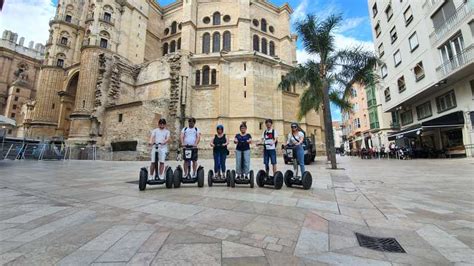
(171, 209)
(340, 259)
(185, 254)
(274, 247)
(285, 242)
(142, 258)
(279, 227)
(185, 237)
(270, 239)
(80, 257)
(251, 261)
(223, 218)
(154, 242)
(126, 247)
(311, 241)
(107, 239)
(235, 250)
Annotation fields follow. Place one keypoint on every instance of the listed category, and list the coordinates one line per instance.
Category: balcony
(456, 62)
(394, 125)
(89, 17)
(464, 11)
(64, 19)
(87, 43)
(374, 125)
(431, 5)
(66, 44)
(106, 19)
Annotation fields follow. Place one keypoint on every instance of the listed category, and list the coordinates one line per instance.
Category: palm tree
(331, 77)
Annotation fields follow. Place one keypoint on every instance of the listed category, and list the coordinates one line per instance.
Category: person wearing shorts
(190, 137)
(270, 139)
(160, 136)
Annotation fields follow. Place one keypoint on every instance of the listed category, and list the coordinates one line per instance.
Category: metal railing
(64, 18)
(456, 62)
(105, 19)
(430, 5)
(66, 44)
(88, 42)
(45, 151)
(449, 24)
(89, 17)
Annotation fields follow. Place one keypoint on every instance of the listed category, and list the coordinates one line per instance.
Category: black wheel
(287, 178)
(251, 179)
(227, 177)
(278, 180)
(307, 160)
(261, 178)
(307, 180)
(200, 175)
(210, 175)
(169, 178)
(143, 178)
(178, 175)
(232, 178)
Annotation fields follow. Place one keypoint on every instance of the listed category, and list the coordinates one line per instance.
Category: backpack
(186, 130)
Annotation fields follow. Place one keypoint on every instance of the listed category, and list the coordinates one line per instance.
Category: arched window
(178, 45)
(213, 77)
(172, 46)
(173, 27)
(264, 46)
(256, 43)
(165, 48)
(205, 75)
(216, 42)
(206, 43)
(198, 77)
(272, 48)
(60, 60)
(227, 41)
(216, 18)
(263, 25)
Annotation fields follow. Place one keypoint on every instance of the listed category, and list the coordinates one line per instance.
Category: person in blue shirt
(242, 150)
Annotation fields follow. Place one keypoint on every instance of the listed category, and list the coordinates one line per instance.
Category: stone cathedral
(112, 68)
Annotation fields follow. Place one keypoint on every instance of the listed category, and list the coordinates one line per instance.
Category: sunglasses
(294, 127)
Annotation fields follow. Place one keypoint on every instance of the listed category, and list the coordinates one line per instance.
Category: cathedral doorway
(67, 104)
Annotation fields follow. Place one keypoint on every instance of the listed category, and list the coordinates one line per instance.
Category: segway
(189, 154)
(291, 177)
(143, 177)
(211, 178)
(240, 179)
(264, 177)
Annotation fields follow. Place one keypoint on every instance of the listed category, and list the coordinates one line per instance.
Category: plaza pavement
(85, 212)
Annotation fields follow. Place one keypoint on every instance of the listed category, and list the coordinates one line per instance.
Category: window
(401, 84)
(206, 43)
(172, 46)
(17, 90)
(206, 20)
(52, 106)
(60, 63)
(107, 17)
(12, 115)
(245, 81)
(353, 93)
(16, 98)
(419, 71)
(120, 118)
(357, 123)
(389, 12)
(64, 40)
(271, 29)
(446, 101)
(263, 25)
(103, 43)
(256, 43)
(408, 15)
(397, 58)
(406, 117)
(197, 82)
(178, 44)
(245, 68)
(216, 18)
(165, 48)
(272, 48)
(381, 50)
(378, 30)
(356, 107)
(216, 42)
(424, 110)
(173, 27)
(205, 75)
(393, 34)
(68, 18)
(383, 71)
(167, 31)
(255, 22)
(213, 77)
(387, 95)
(14, 107)
(374, 10)
(452, 53)
(227, 40)
(226, 18)
(264, 46)
(413, 40)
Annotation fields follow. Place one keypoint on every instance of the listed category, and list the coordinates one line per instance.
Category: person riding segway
(158, 174)
(294, 150)
(220, 152)
(242, 173)
(190, 137)
(269, 141)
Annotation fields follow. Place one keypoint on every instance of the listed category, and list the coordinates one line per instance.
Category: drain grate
(380, 244)
(132, 182)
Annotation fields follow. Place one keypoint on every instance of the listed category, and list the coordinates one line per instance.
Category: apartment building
(356, 124)
(427, 74)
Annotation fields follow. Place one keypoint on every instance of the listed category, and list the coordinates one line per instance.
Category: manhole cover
(371, 181)
(380, 244)
(132, 182)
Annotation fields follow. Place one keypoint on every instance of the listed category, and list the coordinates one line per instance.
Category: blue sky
(20, 15)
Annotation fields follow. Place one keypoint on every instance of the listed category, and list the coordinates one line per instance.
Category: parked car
(309, 152)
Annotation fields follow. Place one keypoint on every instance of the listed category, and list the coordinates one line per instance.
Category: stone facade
(118, 66)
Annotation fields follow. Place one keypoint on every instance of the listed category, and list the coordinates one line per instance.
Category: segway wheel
(307, 180)
(169, 178)
(200, 174)
(210, 175)
(143, 178)
(227, 177)
(278, 180)
(261, 178)
(232, 178)
(178, 175)
(287, 178)
(251, 179)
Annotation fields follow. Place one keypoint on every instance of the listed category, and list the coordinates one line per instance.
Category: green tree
(329, 78)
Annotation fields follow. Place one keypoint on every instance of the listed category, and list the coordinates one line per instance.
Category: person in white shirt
(270, 139)
(190, 137)
(296, 139)
(160, 136)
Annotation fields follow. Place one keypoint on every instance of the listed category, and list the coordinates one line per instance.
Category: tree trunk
(328, 125)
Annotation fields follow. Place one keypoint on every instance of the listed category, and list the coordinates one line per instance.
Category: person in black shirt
(242, 150)
(219, 148)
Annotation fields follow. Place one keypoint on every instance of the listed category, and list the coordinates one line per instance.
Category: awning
(412, 131)
(5, 121)
(455, 119)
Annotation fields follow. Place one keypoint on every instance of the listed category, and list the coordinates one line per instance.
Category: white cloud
(351, 23)
(28, 18)
(300, 12)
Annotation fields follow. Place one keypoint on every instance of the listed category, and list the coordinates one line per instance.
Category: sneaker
(150, 177)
